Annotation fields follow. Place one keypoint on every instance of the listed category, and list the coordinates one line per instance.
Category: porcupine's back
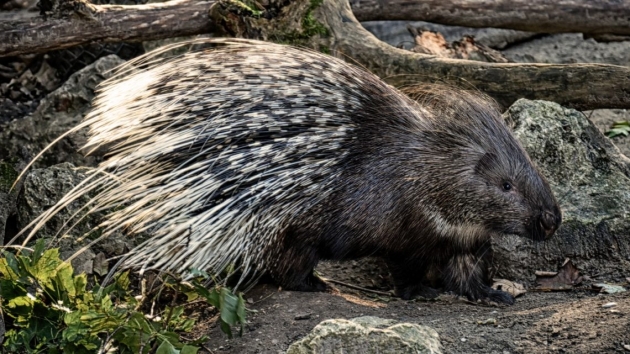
(216, 151)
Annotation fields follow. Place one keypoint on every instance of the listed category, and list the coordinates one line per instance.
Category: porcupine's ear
(486, 163)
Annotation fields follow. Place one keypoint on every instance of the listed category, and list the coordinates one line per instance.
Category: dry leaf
(510, 287)
(567, 277)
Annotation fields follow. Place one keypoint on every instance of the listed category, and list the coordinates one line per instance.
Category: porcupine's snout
(550, 221)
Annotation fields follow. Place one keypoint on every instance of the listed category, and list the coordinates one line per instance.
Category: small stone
(305, 316)
(609, 305)
(463, 339)
(489, 321)
(609, 288)
(627, 347)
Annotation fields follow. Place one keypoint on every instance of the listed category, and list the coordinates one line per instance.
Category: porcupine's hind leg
(409, 278)
(293, 264)
(464, 274)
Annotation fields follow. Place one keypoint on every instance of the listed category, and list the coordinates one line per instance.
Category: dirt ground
(539, 322)
(569, 322)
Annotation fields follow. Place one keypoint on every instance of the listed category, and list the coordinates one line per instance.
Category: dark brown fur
(426, 198)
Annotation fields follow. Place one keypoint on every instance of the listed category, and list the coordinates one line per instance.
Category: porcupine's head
(482, 180)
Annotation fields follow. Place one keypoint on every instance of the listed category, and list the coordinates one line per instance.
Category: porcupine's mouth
(544, 226)
(538, 231)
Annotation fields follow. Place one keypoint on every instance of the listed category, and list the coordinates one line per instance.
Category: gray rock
(569, 48)
(8, 174)
(590, 178)
(368, 335)
(60, 111)
(42, 189)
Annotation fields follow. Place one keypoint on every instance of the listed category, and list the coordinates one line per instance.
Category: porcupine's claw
(500, 297)
(466, 275)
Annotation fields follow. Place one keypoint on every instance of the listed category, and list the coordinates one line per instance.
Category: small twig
(170, 310)
(265, 298)
(208, 349)
(356, 287)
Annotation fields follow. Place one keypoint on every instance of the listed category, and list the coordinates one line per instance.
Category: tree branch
(582, 86)
(542, 16)
(107, 23)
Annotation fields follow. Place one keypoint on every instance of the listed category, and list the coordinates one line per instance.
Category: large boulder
(59, 112)
(590, 179)
(42, 189)
(22, 139)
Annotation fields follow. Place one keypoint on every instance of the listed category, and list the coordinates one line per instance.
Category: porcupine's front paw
(487, 293)
(501, 297)
(464, 275)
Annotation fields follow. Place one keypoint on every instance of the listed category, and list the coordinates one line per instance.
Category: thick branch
(582, 86)
(107, 23)
(542, 16)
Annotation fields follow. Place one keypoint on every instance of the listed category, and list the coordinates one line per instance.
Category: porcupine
(269, 158)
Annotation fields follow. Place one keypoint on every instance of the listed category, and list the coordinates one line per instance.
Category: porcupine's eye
(507, 186)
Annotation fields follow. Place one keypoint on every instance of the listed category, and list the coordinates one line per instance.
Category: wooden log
(106, 23)
(581, 86)
(330, 26)
(542, 16)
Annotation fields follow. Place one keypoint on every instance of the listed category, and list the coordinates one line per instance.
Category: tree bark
(542, 16)
(580, 86)
(106, 23)
(329, 27)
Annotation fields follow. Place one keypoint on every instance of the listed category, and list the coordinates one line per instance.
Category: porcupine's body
(272, 158)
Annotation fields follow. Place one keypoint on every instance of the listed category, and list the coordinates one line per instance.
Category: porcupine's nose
(550, 221)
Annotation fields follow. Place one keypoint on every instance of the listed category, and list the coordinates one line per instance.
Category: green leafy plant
(619, 128)
(47, 308)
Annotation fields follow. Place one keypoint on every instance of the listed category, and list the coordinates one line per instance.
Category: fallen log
(542, 16)
(85, 23)
(329, 27)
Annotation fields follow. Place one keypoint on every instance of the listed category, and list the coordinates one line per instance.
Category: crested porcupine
(270, 158)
